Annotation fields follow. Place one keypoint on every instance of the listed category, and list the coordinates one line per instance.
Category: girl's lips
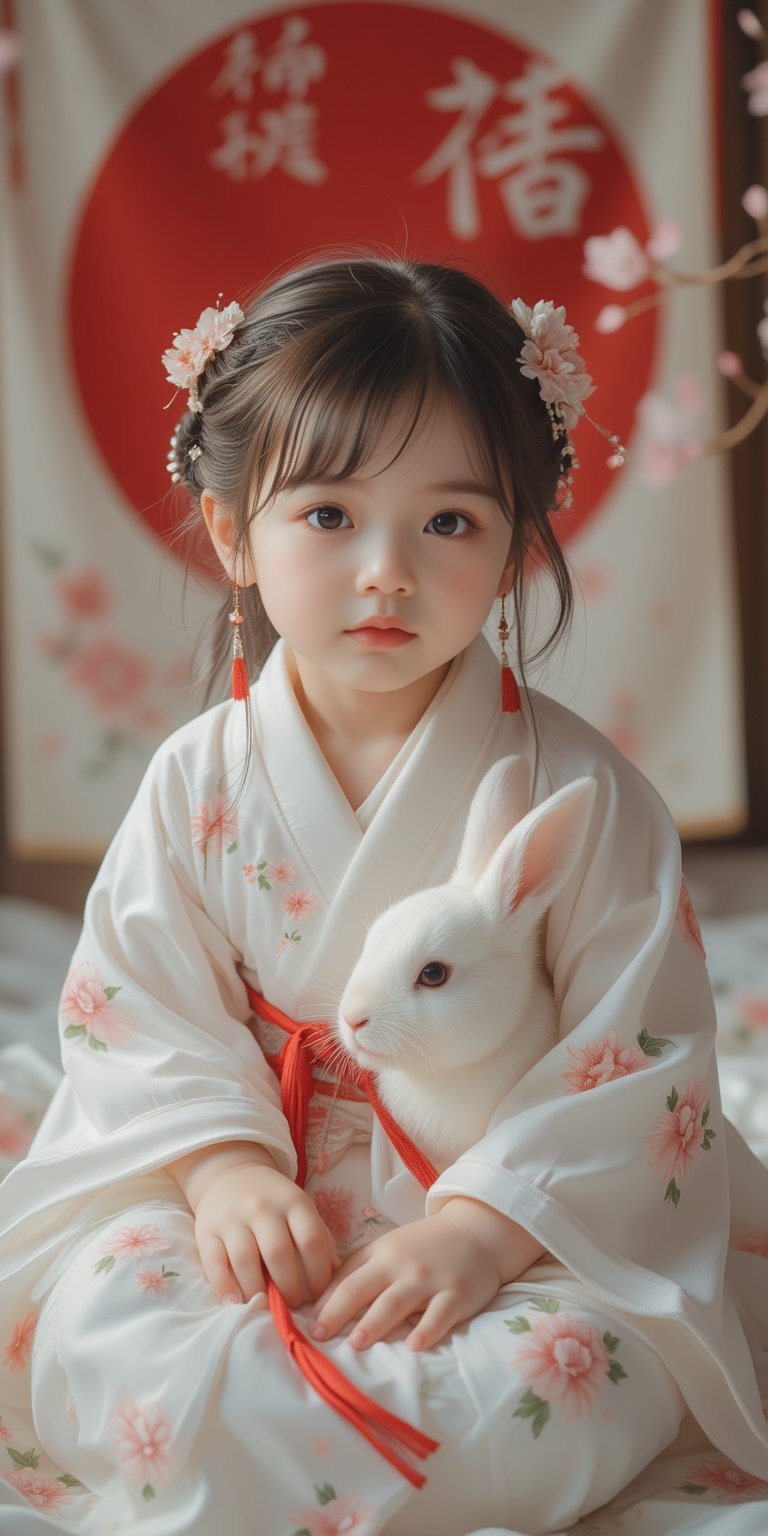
(387, 639)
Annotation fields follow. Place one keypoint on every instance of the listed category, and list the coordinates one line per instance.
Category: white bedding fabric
(36, 944)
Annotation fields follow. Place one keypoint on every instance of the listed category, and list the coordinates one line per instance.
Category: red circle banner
(433, 133)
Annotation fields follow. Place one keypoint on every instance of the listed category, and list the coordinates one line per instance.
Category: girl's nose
(385, 567)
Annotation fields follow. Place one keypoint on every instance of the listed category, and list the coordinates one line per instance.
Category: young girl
(374, 449)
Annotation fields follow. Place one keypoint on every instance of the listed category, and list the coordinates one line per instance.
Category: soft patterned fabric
(611, 1150)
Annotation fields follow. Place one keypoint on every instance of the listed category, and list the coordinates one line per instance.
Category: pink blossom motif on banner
(336, 1208)
(18, 1348)
(688, 923)
(750, 1240)
(131, 1243)
(86, 1008)
(678, 1135)
(143, 1443)
(602, 1061)
(5, 1433)
(39, 1488)
(85, 594)
(726, 1481)
(564, 1360)
(15, 1131)
(344, 1514)
(214, 828)
(112, 673)
(752, 1010)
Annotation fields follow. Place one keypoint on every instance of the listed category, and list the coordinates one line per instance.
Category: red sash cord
(307, 1045)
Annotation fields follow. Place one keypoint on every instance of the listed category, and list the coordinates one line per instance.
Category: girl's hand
(429, 1266)
(251, 1219)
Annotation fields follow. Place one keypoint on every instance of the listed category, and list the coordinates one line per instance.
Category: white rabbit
(450, 1002)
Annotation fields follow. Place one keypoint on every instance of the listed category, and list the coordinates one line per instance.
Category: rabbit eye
(434, 974)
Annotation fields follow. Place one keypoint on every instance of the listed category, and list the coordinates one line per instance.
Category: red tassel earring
(239, 669)
(510, 693)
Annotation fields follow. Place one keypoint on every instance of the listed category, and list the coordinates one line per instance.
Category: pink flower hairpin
(549, 355)
(186, 359)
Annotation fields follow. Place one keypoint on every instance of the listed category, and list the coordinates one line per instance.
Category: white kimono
(130, 1399)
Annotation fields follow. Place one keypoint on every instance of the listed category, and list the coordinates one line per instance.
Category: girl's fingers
(345, 1298)
(243, 1255)
(278, 1255)
(213, 1257)
(440, 1317)
(389, 1309)
(316, 1248)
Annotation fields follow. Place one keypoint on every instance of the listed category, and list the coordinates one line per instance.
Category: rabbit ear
(536, 857)
(499, 802)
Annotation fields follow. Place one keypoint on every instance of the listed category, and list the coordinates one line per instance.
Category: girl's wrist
(196, 1172)
(511, 1248)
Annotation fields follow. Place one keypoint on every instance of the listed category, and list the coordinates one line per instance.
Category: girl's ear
(220, 523)
(536, 858)
(498, 803)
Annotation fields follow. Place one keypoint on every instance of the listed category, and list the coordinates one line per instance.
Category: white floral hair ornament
(549, 355)
(185, 360)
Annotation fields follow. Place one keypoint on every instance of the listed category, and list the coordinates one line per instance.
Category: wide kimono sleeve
(611, 1150)
(153, 1013)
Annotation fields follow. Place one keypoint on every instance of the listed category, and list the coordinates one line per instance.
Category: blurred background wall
(156, 154)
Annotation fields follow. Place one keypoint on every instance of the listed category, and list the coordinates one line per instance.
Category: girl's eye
(328, 518)
(447, 523)
(433, 974)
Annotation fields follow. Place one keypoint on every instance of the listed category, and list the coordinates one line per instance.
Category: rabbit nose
(356, 1024)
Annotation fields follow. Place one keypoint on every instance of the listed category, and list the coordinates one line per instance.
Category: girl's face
(420, 542)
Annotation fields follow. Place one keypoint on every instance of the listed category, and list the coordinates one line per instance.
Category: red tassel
(373, 1422)
(510, 693)
(239, 678)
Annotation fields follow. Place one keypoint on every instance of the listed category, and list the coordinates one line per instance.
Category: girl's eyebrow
(442, 487)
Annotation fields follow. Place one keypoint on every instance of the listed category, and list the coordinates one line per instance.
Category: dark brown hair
(305, 386)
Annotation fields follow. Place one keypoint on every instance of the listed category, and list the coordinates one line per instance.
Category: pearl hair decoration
(174, 464)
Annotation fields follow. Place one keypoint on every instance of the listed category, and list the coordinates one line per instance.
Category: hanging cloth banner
(212, 148)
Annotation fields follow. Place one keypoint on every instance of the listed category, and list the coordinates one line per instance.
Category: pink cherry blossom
(610, 319)
(347, 1515)
(17, 1350)
(671, 434)
(336, 1208)
(249, 870)
(677, 1134)
(749, 23)
(184, 359)
(755, 201)
(299, 904)
(43, 1491)
(214, 826)
(750, 1240)
(86, 1005)
(281, 873)
(602, 1061)
(730, 1481)
(564, 1360)
(143, 1442)
(135, 1242)
(10, 50)
(616, 260)
(153, 1281)
(756, 83)
(687, 923)
(730, 364)
(665, 241)
(15, 1132)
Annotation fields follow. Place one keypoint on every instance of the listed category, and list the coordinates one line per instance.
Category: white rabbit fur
(444, 1056)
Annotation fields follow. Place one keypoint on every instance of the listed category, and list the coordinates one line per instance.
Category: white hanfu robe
(131, 1400)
